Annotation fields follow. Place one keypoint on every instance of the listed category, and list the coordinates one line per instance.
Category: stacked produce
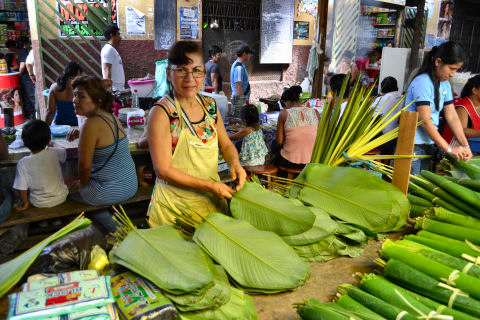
(310, 231)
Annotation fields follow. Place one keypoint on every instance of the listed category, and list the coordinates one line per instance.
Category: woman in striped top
(105, 166)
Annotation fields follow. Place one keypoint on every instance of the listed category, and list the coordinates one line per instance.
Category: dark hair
(243, 48)
(22, 41)
(250, 115)
(292, 94)
(11, 94)
(450, 53)
(348, 54)
(473, 82)
(389, 84)
(36, 135)
(336, 83)
(110, 31)
(70, 71)
(11, 44)
(326, 59)
(213, 50)
(177, 52)
(96, 90)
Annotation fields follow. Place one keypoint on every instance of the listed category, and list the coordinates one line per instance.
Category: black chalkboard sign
(165, 22)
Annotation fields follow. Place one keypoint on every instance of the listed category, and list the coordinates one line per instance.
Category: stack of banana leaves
(459, 194)
(310, 231)
(186, 275)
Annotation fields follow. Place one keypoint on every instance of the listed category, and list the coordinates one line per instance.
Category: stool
(263, 169)
(291, 172)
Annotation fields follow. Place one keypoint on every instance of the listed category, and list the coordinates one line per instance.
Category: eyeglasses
(196, 73)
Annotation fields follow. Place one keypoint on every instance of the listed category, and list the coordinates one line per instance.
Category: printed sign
(79, 26)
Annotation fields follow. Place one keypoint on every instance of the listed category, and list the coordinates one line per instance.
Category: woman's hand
(221, 190)
(461, 153)
(73, 134)
(75, 186)
(237, 172)
(23, 206)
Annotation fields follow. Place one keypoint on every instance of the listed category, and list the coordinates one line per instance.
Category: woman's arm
(214, 77)
(160, 145)
(230, 153)
(240, 134)
(86, 148)
(282, 117)
(453, 121)
(463, 116)
(52, 104)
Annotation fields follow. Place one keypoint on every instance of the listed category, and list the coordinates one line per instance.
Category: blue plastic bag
(161, 84)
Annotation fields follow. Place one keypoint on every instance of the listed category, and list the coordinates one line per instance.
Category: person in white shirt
(40, 172)
(112, 67)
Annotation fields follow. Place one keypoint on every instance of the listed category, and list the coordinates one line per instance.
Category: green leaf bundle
(354, 196)
(448, 230)
(447, 216)
(438, 271)
(269, 211)
(259, 261)
(12, 271)
(314, 310)
(358, 309)
(427, 195)
(469, 168)
(164, 257)
(417, 281)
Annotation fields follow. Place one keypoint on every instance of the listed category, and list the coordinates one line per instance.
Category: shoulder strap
(115, 136)
(472, 112)
(183, 116)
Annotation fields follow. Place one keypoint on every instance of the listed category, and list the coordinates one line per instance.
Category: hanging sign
(82, 21)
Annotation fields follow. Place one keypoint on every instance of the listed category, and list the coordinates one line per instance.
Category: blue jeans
(101, 217)
(420, 164)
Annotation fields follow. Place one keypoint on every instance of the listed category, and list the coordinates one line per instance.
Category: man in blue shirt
(239, 75)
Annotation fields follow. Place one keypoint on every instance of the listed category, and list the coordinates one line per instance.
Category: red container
(10, 97)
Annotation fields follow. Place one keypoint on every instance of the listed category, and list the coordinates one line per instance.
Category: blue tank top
(115, 181)
(65, 113)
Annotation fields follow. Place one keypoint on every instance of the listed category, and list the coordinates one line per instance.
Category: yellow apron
(197, 159)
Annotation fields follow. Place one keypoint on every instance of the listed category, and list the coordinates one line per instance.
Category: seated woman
(296, 130)
(105, 166)
(60, 105)
(468, 110)
(185, 133)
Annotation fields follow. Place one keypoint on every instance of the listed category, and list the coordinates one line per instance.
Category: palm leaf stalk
(469, 196)
(448, 230)
(12, 271)
(360, 310)
(446, 196)
(447, 216)
(433, 305)
(375, 304)
(408, 277)
(447, 245)
(440, 257)
(436, 270)
(353, 133)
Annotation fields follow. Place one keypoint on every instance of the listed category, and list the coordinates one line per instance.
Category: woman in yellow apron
(185, 133)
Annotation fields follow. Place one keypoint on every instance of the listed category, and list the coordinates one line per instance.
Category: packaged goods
(139, 299)
(100, 313)
(62, 278)
(60, 299)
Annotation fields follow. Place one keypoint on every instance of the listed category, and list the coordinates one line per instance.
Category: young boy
(40, 172)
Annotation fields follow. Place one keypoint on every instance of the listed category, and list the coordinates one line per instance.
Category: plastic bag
(161, 84)
(69, 253)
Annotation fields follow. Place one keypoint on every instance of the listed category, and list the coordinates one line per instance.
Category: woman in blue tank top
(105, 167)
(60, 105)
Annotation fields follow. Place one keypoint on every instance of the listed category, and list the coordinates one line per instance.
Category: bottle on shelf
(3, 66)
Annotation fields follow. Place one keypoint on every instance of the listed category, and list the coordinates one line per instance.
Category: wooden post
(321, 38)
(405, 143)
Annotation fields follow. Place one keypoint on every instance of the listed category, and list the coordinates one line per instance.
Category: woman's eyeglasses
(196, 73)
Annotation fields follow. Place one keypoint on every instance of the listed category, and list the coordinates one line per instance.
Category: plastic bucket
(144, 87)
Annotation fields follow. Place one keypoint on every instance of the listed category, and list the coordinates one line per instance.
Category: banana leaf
(470, 168)
(213, 298)
(350, 232)
(449, 246)
(356, 308)
(327, 249)
(270, 211)
(165, 258)
(239, 307)
(444, 215)
(314, 310)
(12, 271)
(354, 196)
(258, 261)
(448, 230)
(323, 227)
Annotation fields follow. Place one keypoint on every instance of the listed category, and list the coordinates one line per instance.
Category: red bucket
(10, 97)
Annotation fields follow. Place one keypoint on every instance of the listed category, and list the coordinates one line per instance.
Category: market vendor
(468, 110)
(433, 93)
(185, 133)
